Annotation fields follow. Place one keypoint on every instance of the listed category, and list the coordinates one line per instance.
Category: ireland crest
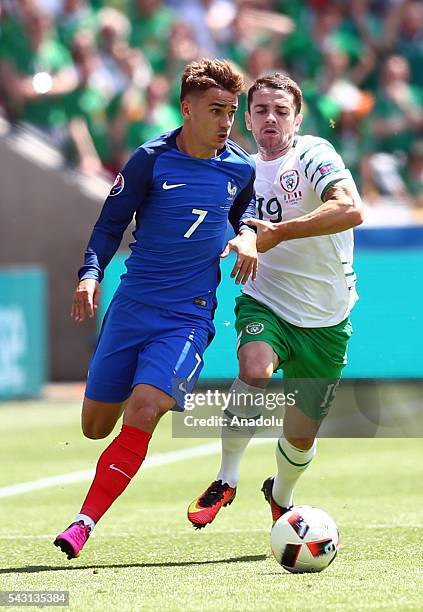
(289, 180)
(254, 328)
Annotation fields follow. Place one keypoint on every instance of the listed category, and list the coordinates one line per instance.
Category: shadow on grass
(32, 569)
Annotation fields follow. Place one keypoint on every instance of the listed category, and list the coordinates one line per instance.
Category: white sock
(87, 520)
(235, 439)
(292, 462)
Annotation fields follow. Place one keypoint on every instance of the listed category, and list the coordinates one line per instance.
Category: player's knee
(145, 415)
(304, 443)
(98, 419)
(145, 409)
(153, 410)
(252, 370)
(95, 431)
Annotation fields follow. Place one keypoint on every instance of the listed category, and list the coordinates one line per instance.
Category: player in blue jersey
(182, 187)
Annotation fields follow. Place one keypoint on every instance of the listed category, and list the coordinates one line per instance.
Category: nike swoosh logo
(193, 509)
(166, 186)
(114, 467)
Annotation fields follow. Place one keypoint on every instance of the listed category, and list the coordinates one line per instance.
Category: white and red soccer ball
(305, 539)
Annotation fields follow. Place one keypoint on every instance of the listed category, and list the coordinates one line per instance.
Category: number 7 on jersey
(201, 216)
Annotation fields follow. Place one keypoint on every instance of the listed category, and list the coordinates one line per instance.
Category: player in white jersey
(294, 316)
(308, 282)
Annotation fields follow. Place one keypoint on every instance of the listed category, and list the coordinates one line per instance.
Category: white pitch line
(154, 461)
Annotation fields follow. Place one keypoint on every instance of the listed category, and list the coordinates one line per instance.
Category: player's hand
(267, 234)
(246, 263)
(85, 299)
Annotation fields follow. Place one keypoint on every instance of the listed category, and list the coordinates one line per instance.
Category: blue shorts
(148, 345)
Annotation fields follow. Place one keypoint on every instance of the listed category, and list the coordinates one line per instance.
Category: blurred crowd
(99, 77)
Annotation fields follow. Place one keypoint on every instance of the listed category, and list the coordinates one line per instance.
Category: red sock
(117, 465)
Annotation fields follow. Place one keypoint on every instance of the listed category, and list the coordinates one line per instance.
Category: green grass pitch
(145, 556)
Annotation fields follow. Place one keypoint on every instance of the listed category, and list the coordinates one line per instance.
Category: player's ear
(298, 121)
(248, 120)
(185, 108)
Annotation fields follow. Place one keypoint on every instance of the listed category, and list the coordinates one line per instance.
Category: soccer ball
(305, 539)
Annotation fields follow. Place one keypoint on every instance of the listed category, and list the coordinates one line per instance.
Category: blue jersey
(181, 206)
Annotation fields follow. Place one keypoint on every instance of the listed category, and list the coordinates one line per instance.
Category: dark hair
(206, 73)
(277, 81)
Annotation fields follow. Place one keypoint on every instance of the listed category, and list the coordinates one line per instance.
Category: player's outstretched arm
(85, 299)
(341, 210)
(244, 243)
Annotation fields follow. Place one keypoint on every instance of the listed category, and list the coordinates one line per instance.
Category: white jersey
(309, 282)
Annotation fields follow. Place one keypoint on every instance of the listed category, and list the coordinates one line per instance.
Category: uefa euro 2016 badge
(118, 185)
(289, 180)
(254, 328)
